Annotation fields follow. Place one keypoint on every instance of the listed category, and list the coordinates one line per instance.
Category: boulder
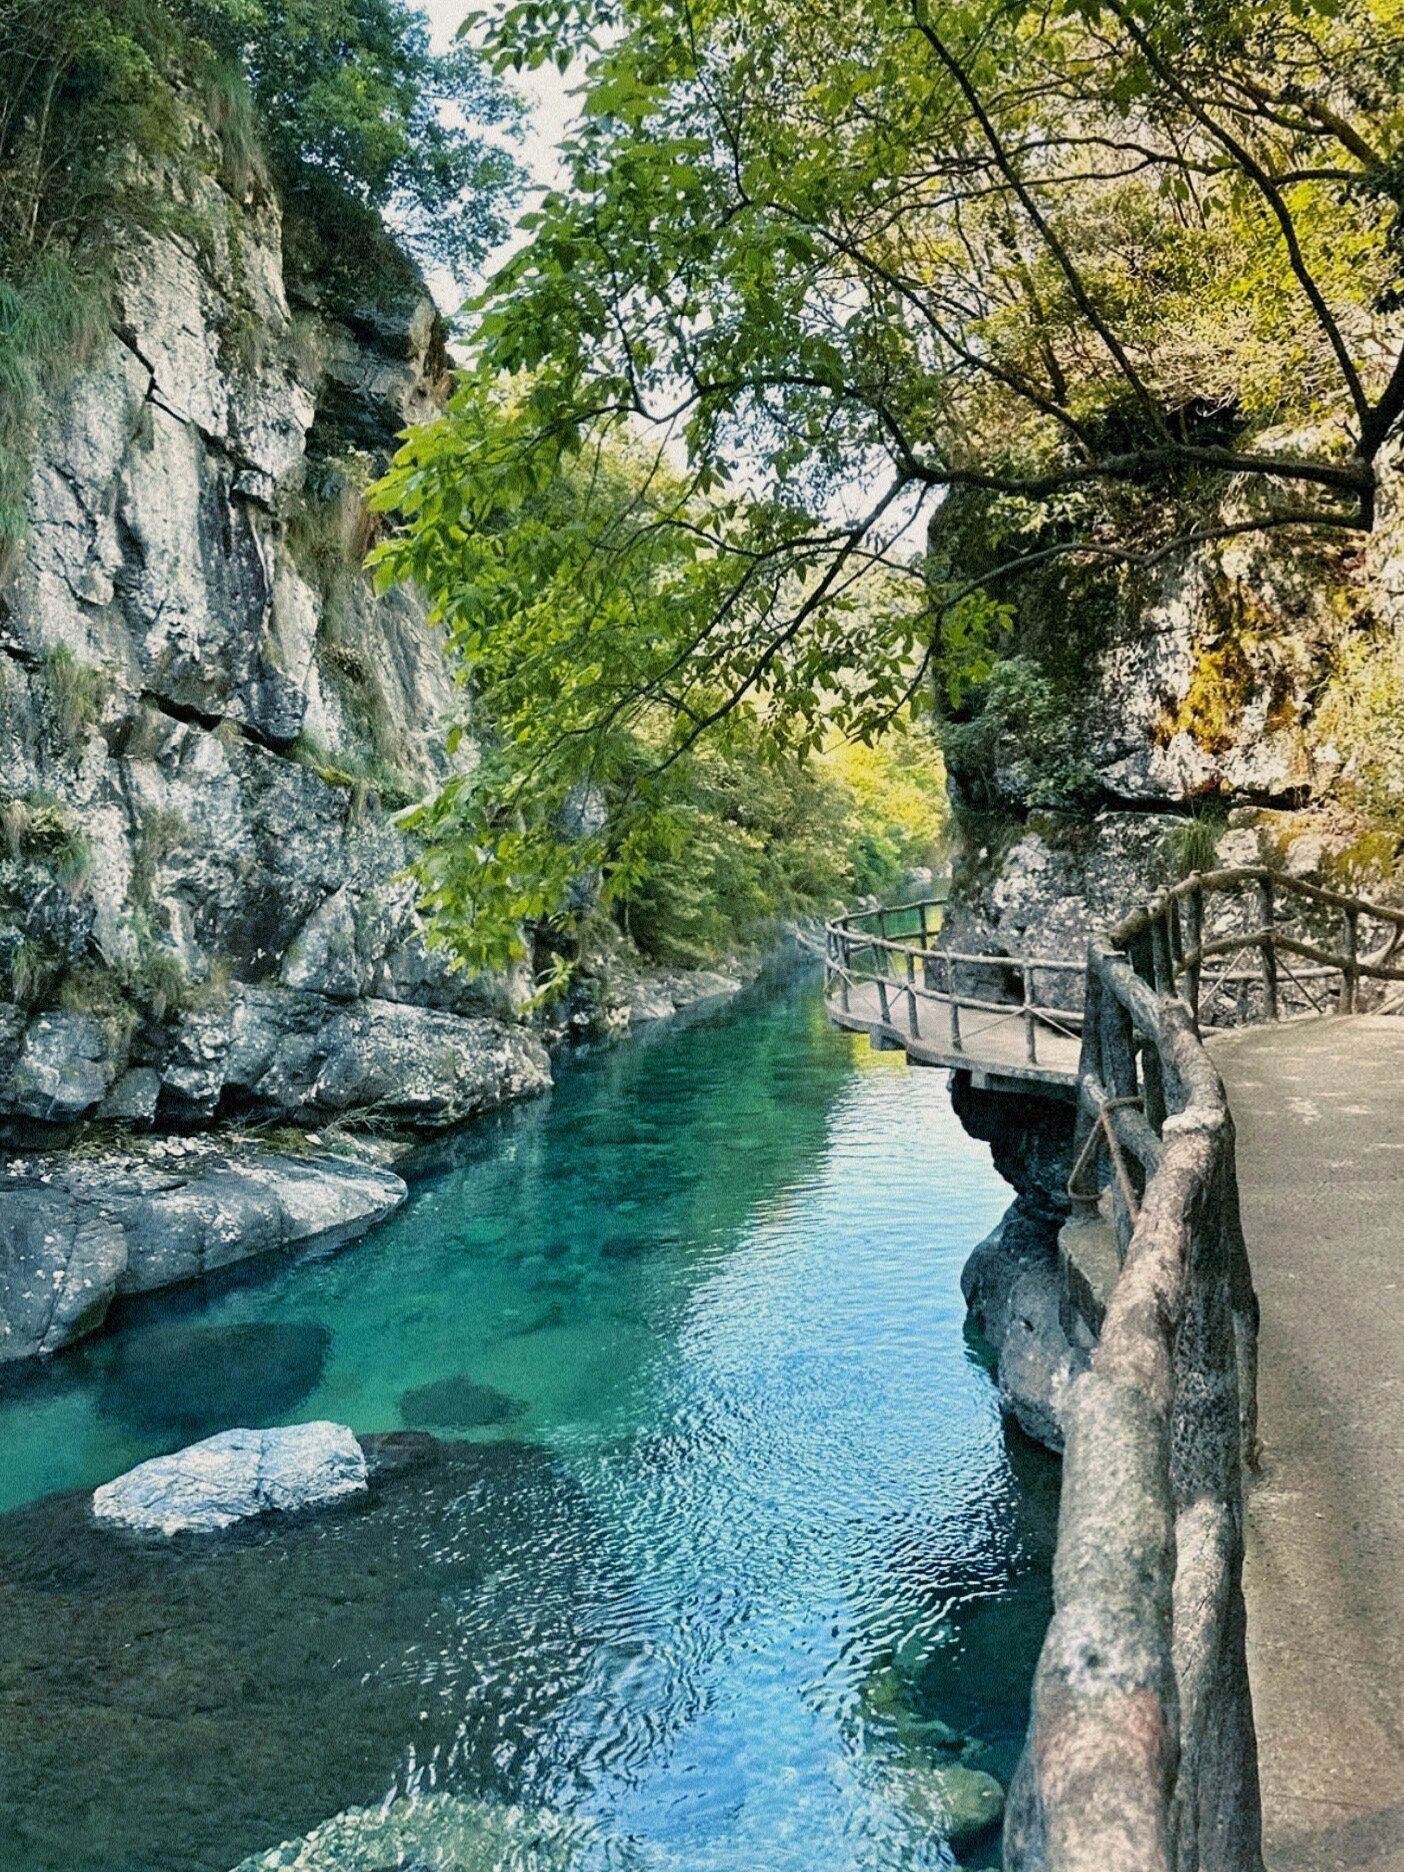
(234, 1476)
(60, 1262)
(1013, 1285)
(286, 1051)
(961, 1804)
(323, 956)
(133, 1099)
(649, 1001)
(63, 1069)
(421, 1067)
(237, 1207)
(450, 1833)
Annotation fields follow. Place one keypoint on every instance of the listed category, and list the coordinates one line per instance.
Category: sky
(546, 91)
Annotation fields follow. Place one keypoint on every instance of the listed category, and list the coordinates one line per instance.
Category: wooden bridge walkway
(1319, 1124)
(995, 1016)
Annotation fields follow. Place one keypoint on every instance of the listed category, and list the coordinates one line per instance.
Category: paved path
(1319, 1110)
(994, 1047)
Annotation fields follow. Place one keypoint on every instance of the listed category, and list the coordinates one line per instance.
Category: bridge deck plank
(991, 1044)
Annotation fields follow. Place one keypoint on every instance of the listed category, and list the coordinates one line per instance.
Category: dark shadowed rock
(1013, 1280)
(458, 1403)
(1013, 1285)
(187, 1381)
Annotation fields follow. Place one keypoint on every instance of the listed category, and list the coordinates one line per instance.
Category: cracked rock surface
(77, 1232)
(234, 1476)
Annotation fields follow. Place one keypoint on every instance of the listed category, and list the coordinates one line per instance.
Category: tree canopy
(1061, 278)
(343, 94)
(351, 92)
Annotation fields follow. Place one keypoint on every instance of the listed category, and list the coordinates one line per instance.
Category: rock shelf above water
(75, 1237)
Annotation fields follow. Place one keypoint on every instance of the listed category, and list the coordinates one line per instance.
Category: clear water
(710, 1287)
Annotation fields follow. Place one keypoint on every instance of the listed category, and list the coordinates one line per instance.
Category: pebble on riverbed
(961, 1804)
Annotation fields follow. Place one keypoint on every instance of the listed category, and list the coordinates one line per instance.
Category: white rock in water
(234, 1475)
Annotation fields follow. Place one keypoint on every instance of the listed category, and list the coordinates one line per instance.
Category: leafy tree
(590, 603)
(349, 93)
(1051, 279)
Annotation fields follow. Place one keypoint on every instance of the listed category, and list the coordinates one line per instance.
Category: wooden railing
(1141, 1753)
(1141, 1750)
(905, 973)
(1288, 922)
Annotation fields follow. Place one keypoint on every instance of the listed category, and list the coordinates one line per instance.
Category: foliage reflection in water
(728, 1553)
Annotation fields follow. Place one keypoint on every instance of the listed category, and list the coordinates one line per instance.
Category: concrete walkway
(1319, 1110)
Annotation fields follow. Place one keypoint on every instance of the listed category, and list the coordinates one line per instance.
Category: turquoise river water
(725, 1549)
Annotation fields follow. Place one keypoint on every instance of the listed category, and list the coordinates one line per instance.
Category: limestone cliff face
(206, 718)
(1258, 683)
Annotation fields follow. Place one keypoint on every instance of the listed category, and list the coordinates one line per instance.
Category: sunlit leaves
(819, 266)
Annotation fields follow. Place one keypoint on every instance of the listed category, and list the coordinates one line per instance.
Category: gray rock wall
(1258, 681)
(206, 718)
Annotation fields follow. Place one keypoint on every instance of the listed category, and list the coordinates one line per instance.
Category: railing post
(1161, 964)
(1177, 943)
(1030, 1024)
(1194, 917)
(1267, 950)
(921, 912)
(1118, 1049)
(955, 1025)
(845, 953)
(881, 980)
(1088, 1062)
(882, 924)
(1350, 974)
(912, 996)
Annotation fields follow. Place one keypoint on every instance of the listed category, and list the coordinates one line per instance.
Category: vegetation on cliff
(339, 104)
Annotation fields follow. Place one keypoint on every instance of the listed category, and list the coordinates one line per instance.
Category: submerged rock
(448, 1833)
(234, 1476)
(961, 1804)
(200, 1699)
(457, 1403)
(190, 1380)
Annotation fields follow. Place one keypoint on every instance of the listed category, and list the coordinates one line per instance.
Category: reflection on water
(727, 1558)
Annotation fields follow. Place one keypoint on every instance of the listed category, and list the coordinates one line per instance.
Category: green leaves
(824, 276)
(351, 94)
(616, 623)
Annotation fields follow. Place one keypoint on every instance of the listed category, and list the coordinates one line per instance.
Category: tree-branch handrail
(1141, 1750)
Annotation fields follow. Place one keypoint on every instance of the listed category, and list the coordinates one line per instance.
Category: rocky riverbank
(221, 1023)
(123, 1211)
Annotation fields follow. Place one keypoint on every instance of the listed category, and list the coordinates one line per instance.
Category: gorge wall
(206, 718)
(1251, 690)
(1242, 705)
(207, 722)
